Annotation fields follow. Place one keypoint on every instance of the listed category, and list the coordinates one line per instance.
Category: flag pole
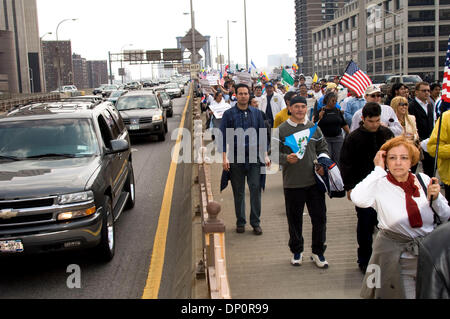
(437, 152)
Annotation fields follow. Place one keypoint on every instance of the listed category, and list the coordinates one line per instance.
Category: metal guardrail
(16, 100)
(214, 257)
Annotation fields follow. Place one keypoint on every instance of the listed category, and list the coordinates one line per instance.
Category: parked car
(409, 80)
(166, 102)
(67, 176)
(379, 79)
(133, 86)
(106, 92)
(115, 96)
(67, 89)
(173, 90)
(330, 78)
(148, 83)
(99, 90)
(143, 114)
(181, 85)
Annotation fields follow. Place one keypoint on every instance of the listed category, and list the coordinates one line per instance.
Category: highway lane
(46, 276)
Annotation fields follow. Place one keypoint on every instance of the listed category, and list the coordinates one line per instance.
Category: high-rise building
(20, 57)
(80, 72)
(385, 37)
(308, 15)
(97, 73)
(57, 56)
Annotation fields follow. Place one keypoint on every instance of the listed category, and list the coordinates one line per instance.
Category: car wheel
(106, 248)
(162, 136)
(130, 188)
(170, 114)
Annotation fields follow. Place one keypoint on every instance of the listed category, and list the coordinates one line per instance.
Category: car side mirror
(118, 146)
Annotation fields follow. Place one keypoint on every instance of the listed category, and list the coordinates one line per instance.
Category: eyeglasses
(403, 104)
(375, 95)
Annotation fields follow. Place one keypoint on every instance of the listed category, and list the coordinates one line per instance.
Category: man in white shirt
(272, 103)
(258, 94)
(316, 91)
(294, 88)
(388, 117)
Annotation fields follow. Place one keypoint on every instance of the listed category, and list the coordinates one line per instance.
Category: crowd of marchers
(384, 148)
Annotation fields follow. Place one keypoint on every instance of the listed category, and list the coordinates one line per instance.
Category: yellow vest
(281, 117)
(444, 147)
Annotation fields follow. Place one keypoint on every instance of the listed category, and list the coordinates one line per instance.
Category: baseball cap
(372, 89)
(331, 85)
(269, 84)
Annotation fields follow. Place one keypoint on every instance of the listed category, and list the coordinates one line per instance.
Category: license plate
(11, 246)
(134, 127)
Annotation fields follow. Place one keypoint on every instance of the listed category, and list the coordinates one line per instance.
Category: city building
(57, 56)
(310, 14)
(20, 57)
(80, 72)
(379, 34)
(97, 73)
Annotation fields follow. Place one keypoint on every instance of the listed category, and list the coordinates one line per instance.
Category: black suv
(66, 175)
(143, 114)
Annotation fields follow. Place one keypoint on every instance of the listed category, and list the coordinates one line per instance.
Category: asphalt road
(47, 276)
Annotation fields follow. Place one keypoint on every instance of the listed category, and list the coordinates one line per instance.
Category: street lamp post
(246, 43)
(194, 51)
(58, 50)
(228, 36)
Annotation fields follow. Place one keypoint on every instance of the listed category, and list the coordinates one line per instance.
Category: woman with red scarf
(404, 217)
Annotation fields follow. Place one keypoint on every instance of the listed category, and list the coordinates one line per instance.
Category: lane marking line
(151, 290)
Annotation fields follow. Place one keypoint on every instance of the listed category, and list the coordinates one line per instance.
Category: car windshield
(47, 138)
(165, 96)
(412, 79)
(111, 87)
(172, 86)
(116, 94)
(137, 102)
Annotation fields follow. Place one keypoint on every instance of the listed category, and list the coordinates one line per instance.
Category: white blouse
(390, 203)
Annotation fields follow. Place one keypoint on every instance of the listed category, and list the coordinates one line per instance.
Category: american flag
(355, 79)
(445, 104)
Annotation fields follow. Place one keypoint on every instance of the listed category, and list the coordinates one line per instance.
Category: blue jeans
(238, 174)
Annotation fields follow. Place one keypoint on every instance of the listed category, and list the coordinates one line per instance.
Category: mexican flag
(286, 78)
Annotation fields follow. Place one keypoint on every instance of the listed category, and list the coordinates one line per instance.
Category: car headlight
(77, 214)
(75, 198)
(157, 118)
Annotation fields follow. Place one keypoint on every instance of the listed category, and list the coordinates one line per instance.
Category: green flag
(286, 78)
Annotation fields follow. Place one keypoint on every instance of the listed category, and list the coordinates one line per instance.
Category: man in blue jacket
(244, 131)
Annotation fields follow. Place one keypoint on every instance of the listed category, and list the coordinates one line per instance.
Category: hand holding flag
(299, 141)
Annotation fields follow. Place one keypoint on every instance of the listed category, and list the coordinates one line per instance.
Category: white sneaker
(319, 260)
(297, 260)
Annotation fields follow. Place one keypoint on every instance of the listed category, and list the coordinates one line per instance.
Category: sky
(108, 25)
